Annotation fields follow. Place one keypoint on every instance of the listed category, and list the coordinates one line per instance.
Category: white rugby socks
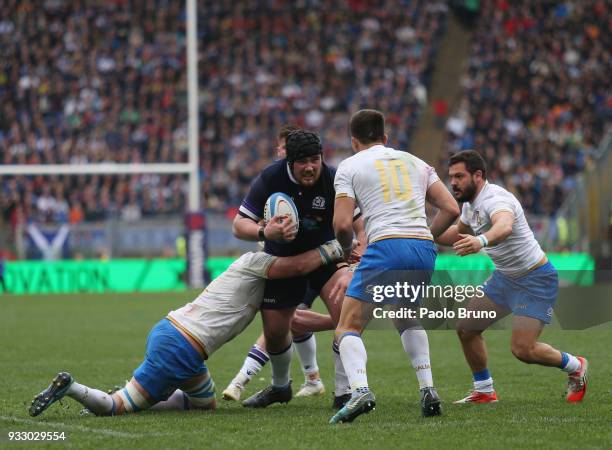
(281, 364)
(253, 363)
(306, 347)
(569, 363)
(416, 346)
(342, 385)
(98, 402)
(354, 359)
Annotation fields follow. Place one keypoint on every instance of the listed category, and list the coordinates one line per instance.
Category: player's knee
(523, 351)
(277, 332)
(132, 399)
(118, 408)
(465, 332)
(202, 396)
(341, 332)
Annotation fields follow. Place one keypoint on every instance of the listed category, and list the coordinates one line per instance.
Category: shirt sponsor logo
(318, 202)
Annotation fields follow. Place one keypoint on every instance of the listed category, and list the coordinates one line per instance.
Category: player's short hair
(473, 161)
(302, 144)
(286, 130)
(368, 126)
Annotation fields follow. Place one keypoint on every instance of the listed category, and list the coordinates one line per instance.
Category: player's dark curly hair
(473, 161)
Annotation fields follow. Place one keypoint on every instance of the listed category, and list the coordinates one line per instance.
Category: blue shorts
(388, 262)
(532, 295)
(169, 361)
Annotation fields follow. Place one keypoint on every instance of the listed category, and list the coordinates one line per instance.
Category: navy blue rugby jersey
(315, 206)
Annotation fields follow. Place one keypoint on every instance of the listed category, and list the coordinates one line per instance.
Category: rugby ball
(279, 204)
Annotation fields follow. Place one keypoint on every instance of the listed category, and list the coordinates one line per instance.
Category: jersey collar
(291, 177)
(473, 204)
(375, 147)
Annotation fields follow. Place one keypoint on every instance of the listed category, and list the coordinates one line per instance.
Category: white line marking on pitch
(66, 426)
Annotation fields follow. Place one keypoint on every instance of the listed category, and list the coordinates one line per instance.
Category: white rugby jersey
(228, 304)
(520, 251)
(389, 187)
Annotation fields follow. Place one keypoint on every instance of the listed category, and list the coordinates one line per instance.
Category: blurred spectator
(90, 82)
(536, 95)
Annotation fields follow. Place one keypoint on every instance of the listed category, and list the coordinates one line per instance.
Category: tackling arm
(294, 266)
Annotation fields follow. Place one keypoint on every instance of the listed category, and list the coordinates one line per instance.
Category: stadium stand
(106, 81)
(536, 95)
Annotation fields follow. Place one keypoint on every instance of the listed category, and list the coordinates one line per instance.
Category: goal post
(195, 221)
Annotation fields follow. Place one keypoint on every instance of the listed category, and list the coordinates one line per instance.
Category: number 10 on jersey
(390, 173)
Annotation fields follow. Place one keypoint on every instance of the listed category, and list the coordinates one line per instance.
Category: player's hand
(467, 244)
(280, 228)
(355, 255)
(348, 250)
(331, 252)
(336, 296)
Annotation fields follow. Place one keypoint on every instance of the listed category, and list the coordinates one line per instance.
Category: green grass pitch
(101, 340)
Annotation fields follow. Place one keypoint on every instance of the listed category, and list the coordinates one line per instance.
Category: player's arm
(294, 266)
(359, 229)
(453, 234)
(500, 229)
(279, 228)
(448, 210)
(246, 224)
(307, 321)
(344, 207)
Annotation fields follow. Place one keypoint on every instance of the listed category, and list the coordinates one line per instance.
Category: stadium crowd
(536, 95)
(88, 82)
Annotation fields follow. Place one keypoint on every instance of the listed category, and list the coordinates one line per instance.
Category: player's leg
(416, 346)
(255, 360)
(470, 332)
(354, 317)
(306, 345)
(64, 385)
(526, 347)
(277, 332)
(196, 393)
(330, 277)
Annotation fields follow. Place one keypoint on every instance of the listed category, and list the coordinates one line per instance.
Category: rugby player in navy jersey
(310, 183)
(302, 329)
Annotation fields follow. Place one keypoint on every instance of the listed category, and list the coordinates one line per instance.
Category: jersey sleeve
(494, 205)
(431, 176)
(258, 263)
(343, 182)
(253, 204)
(464, 215)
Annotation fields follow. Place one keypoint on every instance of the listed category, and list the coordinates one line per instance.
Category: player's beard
(309, 177)
(466, 194)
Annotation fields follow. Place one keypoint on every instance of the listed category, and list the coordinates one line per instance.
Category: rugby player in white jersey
(173, 375)
(391, 188)
(524, 283)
